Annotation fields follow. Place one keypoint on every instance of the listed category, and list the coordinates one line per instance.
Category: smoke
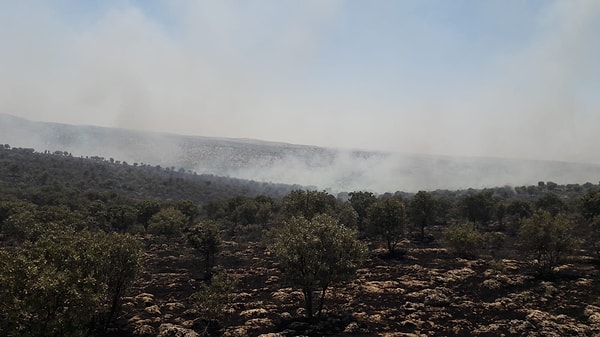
(495, 79)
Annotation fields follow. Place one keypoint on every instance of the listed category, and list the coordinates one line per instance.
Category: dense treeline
(71, 230)
(58, 178)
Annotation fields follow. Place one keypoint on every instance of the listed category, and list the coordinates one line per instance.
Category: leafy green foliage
(386, 220)
(314, 254)
(422, 211)
(212, 299)
(205, 238)
(361, 201)
(168, 222)
(478, 207)
(590, 204)
(64, 282)
(551, 203)
(463, 239)
(546, 239)
(308, 203)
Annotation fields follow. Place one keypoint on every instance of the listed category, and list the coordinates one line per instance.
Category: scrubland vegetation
(99, 247)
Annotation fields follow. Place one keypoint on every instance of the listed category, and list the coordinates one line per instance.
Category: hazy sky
(507, 78)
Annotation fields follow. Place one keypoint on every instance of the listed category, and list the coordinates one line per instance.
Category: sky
(494, 78)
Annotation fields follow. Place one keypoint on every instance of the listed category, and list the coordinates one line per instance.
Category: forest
(93, 246)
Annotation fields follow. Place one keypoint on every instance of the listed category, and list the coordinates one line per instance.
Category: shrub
(546, 239)
(386, 220)
(205, 238)
(62, 283)
(314, 254)
(168, 222)
(212, 299)
(463, 239)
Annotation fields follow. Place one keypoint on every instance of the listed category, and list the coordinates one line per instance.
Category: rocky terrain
(429, 292)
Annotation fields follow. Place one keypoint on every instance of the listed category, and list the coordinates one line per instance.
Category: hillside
(56, 208)
(323, 168)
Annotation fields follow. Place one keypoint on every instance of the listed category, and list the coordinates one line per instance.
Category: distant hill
(323, 168)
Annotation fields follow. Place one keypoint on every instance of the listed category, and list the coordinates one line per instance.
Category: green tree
(590, 204)
(121, 217)
(422, 211)
(361, 201)
(121, 257)
(145, 210)
(546, 239)
(308, 203)
(59, 284)
(386, 220)
(213, 297)
(550, 202)
(315, 254)
(516, 211)
(205, 238)
(478, 208)
(168, 221)
(188, 208)
(347, 216)
(463, 239)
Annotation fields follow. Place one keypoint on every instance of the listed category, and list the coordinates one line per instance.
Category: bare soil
(428, 292)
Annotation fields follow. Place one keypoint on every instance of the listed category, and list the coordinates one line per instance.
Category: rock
(548, 325)
(250, 313)
(457, 275)
(380, 287)
(170, 330)
(351, 328)
(433, 297)
(259, 323)
(145, 298)
(491, 284)
(172, 306)
(153, 310)
(238, 331)
(593, 314)
(144, 331)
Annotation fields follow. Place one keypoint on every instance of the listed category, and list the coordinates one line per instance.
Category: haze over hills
(323, 168)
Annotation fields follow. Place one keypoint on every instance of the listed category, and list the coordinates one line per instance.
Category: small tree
(168, 221)
(422, 211)
(361, 201)
(546, 239)
(60, 284)
(590, 204)
(314, 254)
(122, 255)
(308, 203)
(463, 239)
(386, 220)
(212, 298)
(478, 208)
(205, 238)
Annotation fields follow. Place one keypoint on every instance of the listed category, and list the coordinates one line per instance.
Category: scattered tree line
(71, 230)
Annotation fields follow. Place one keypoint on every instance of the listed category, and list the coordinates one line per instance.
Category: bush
(314, 254)
(212, 299)
(205, 238)
(168, 222)
(386, 220)
(463, 239)
(65, 283)
(546, 239)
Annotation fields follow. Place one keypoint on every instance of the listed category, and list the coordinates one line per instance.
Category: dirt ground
(428, 292)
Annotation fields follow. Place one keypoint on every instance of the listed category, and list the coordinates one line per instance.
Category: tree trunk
(308, 302)
(322, 300)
